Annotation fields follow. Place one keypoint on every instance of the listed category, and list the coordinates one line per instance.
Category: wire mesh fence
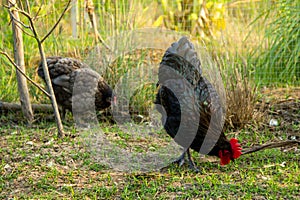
(260, 35)
(259, 38)
(243, 46)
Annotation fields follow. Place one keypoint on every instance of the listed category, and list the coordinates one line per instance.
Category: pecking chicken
(190, 106)
(73, 80)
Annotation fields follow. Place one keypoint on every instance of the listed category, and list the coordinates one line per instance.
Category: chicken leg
(180, 161)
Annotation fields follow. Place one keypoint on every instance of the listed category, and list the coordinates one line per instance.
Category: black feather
(73, 79)
(191, 103)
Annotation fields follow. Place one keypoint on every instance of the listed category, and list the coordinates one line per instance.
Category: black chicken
(190, 106)
(72, 79)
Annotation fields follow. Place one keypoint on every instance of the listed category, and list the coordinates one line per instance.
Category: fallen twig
(5, 106)
(270, 146)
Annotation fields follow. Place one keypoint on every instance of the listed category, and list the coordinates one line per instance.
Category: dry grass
(234, 45)
(241, 98)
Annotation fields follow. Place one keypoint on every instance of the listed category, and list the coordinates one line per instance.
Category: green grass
(36, 164)
(278, 63)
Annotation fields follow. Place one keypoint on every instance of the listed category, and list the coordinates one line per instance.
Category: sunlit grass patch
(35, 163)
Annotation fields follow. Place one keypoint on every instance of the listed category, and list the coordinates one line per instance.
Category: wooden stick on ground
(5, 106)
(270, 146)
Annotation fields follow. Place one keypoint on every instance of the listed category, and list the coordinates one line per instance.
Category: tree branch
(32, 27)
(18, 21)
(23, 30)
(43, 57)
(37, 13)
(45, 67)
(28, 78)
(270, 146)
(27, 6)
(55, 25)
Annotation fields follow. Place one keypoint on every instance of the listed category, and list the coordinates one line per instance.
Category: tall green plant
(280, 64)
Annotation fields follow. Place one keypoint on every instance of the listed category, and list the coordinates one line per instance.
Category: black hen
(74, 83)
(190, 106)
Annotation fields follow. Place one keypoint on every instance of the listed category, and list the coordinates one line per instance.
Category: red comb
(236, 148)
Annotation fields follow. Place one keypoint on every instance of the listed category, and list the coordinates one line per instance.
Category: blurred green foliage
(223, 26)
(197, 17)
(279, 62)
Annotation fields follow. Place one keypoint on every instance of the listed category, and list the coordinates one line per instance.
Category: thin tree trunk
(19, 59)
(13, 7)
(49, 84)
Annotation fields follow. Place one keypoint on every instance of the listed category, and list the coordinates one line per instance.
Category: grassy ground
(34, 163)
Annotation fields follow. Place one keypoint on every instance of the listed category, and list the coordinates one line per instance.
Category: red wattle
(224, 157)
(236, 148)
